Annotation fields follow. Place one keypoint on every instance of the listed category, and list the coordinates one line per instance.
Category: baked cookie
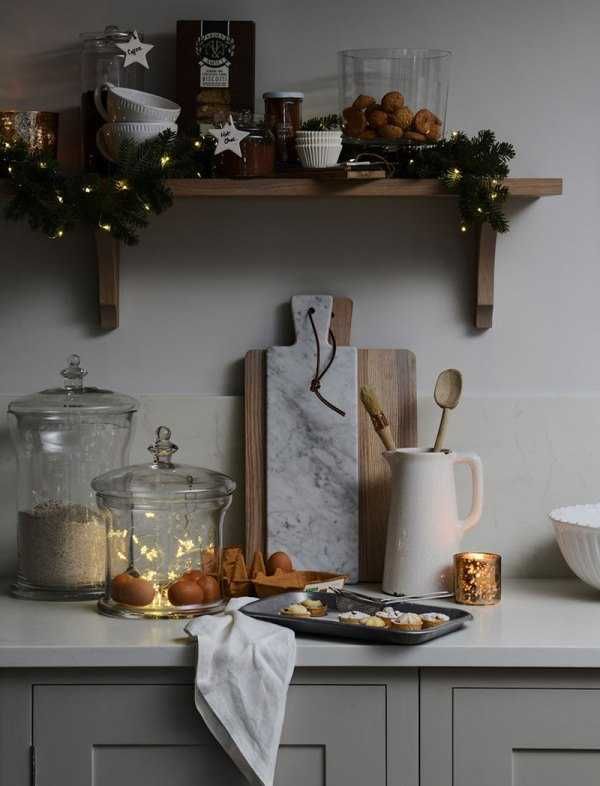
(424, 120)
(377, 119)
(368, 134)
(414, 136)
(392, 101)
(353, 617)
(391, 132)
(432, 619)
(407, 621)
(295, 610)
(374, 622)
(316, 608)
(387, 615)
(363, 102)
(402, 118)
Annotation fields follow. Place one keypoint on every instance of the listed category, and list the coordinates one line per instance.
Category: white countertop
(539, 624)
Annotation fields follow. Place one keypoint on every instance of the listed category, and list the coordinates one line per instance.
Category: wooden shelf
(528, 188)
(108, 249)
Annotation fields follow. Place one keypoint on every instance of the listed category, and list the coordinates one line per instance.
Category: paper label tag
(215, 53)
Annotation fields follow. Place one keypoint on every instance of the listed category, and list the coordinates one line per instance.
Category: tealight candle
(477, 578)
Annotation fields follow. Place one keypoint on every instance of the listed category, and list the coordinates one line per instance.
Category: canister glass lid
(163, 478)
(73, 397)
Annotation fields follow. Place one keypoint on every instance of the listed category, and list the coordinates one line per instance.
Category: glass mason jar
(258, 150)
(102, 61)
(283, 115)
(164, 525)
(64, 437)
(394, 96)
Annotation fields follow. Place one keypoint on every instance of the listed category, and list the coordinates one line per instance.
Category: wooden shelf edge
(526, 188)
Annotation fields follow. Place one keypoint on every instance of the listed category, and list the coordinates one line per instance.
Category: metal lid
(283, 94)
(73, 397)
(111, 34)
(163, 479)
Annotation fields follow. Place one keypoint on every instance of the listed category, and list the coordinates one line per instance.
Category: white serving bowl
(577, 532)
(111, 135)
(124, 105)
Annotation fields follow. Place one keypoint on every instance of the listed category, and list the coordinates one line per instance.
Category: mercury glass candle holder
(477, 578)
(39, 130)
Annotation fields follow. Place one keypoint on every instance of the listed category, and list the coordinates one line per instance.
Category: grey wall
(209, 278)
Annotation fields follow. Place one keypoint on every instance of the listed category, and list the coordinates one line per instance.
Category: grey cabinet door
(151, 735)
(526, 737)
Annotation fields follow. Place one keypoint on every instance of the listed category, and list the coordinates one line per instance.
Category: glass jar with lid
(283, 115)
(257, 148)
(102, 61)
(64, 437)
(164, 527)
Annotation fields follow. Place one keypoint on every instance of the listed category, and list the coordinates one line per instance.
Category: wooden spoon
(447, 395)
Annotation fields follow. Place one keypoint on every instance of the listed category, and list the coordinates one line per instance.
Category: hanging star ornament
(135, 51)
(228, 138)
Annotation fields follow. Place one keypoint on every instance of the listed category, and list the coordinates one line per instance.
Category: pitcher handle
(474, 463)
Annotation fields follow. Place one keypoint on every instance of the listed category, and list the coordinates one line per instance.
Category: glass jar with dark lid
(257, 148)
(64, 437)
(283, 115)
(164, 529)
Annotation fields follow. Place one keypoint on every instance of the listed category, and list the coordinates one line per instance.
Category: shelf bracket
(108, 252)
(485, 258)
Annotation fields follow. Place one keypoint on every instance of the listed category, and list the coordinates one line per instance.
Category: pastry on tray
(387, 615)
(432, 619)
(295, 610)
(374, 622)
(316, 608)
(353, 617)
(407, 622)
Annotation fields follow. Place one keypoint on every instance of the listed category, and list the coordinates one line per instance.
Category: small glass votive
(477, 578)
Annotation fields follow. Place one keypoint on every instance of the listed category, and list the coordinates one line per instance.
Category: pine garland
(122, 202)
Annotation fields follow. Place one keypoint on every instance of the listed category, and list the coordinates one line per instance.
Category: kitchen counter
(539, 624)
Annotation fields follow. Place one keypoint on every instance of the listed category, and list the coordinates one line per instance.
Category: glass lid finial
(73, 373)
(163, 448)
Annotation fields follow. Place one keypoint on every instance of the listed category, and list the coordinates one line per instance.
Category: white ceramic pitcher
(424, 530)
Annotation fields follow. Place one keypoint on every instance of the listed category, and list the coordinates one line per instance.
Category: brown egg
(117, 584)
(281, 561)
(185, 593)
(210, 588)
(136, 592)
(191, 575)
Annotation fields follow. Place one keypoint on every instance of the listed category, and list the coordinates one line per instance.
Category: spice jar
(102, 61)
(164, 524)
(283, 115)
(258, 150)
(64, 437)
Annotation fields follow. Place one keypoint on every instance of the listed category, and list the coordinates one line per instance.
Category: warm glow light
(165, 160)
(463, 228)
(43, 165)
(105, 227)
(121, 185)
(147, 207)
(197, 143)
(87, 189)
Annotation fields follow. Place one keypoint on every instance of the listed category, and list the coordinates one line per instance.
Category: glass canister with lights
(164, 527)
(63, 438)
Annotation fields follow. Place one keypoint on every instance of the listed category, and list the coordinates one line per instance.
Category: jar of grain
(63, 438)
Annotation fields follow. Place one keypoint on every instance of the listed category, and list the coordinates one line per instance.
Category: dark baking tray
(268, 609)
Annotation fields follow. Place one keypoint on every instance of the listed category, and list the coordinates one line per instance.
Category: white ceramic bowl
(111, 135)
(124, 105)
(577, 532)
(319, 156)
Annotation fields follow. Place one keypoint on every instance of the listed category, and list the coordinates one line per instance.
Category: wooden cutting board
(393, 373)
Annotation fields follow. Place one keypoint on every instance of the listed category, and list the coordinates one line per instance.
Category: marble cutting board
(311, 451)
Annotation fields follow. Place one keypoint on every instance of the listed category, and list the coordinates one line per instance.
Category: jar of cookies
(393, 97)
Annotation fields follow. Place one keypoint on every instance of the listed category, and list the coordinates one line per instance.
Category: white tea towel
(243, 671)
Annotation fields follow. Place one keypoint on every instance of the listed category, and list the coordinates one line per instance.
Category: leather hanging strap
(315, 384)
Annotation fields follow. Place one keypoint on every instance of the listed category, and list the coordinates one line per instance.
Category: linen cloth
(243, 671)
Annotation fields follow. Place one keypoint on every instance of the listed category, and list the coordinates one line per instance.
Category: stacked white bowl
(577, 532)
(131, 114)
(318, 149)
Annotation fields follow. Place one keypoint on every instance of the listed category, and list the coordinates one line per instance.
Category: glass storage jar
(63, 437)
(258, 150)
(393, 96)
(164, 525)
(283, 115)
(102, 61)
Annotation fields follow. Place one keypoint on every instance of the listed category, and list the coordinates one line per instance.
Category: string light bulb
(463, 228)
(43, 165)
(87, 189)
(164, 160)
(59, 199)
(7, 145)
(197, 143)
(105, 227)
(122, 185)
(146, 207)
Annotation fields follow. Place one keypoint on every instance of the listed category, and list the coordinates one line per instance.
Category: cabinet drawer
(151, 735)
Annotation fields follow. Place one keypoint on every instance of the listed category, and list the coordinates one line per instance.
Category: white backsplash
(538, 453)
